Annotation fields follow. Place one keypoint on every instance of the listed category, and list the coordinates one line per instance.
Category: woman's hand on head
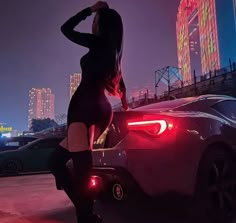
(99, 5)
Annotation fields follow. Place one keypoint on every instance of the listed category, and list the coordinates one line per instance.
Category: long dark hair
(111, 29)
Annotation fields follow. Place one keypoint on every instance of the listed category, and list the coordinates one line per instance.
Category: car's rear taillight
(95, 182)
(150, 124)
(95, 186)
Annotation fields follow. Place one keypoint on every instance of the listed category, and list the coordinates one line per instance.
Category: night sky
(34, 53)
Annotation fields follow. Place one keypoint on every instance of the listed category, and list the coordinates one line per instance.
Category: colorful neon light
(206, 12)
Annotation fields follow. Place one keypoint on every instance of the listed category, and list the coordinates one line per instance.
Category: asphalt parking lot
(34, 199)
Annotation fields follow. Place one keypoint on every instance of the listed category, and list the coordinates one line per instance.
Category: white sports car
(186, 146)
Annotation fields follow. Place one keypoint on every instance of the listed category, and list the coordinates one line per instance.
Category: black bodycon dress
(89, 104)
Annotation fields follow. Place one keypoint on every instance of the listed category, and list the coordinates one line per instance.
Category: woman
(89, 112)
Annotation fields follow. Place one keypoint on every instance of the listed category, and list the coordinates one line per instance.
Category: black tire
(11, 167)
(215, 192)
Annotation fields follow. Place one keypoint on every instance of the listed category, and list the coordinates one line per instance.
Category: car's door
(36, 157)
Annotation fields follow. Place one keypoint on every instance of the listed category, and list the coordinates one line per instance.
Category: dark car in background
(13, 143)
(29, 158)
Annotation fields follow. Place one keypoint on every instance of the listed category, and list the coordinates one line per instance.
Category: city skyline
(34, 53)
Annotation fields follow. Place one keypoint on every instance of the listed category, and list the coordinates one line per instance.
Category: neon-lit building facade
(41, 104)
(186, 8)
(75, 80)
(206, 36)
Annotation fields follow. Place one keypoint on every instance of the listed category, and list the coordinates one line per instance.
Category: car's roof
(172, 104)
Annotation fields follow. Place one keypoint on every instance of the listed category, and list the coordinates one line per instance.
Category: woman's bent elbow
(63, 29)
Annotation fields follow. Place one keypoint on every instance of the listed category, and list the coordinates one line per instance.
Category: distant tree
(41, 124)
(61, 119)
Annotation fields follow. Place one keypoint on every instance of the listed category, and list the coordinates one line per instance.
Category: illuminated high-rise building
(41, 104)
(206, 36)
(75, 80)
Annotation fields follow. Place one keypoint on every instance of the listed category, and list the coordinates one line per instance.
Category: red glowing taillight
(95, 182)
(150, 124)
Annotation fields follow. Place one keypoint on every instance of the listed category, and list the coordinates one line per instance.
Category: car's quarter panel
(197, 134)
(155, 162)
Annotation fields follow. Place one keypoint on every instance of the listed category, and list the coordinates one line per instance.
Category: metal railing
(222, 81)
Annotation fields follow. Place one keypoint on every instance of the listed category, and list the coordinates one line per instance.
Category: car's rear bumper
(112, 175)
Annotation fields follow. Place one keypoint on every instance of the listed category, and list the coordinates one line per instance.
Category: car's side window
(13, 144)
(227, 108)
(49, 143)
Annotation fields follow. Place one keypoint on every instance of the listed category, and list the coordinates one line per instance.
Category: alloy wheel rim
(222, 187)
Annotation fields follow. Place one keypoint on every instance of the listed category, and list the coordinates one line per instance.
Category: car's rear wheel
(11, 167)
(215, 194)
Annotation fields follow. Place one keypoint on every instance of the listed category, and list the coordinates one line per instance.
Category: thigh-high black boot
(82, 164)
(57, 165)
